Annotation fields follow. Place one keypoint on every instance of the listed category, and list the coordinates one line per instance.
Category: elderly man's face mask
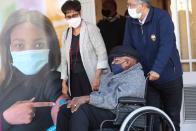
(116, 65)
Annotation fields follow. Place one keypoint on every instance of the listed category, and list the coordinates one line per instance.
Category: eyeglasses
(71, 16)
(118, 61)
(132, 5)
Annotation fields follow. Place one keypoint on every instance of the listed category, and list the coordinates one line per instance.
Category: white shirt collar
(143, 21)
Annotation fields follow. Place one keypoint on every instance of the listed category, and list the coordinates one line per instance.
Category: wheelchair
(132, 114)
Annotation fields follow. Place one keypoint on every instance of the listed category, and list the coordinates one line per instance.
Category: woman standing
(83, 54)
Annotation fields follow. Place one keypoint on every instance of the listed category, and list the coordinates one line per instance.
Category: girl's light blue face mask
(30, 62)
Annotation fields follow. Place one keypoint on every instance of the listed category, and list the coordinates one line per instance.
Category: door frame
(188, 77)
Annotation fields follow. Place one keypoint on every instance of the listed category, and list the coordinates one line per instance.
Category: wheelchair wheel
(142, 118)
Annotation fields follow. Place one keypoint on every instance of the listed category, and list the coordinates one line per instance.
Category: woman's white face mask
(74, 22)
(133, 13)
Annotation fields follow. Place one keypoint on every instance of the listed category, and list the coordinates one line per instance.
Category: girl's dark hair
(2, 69)
(38, 20)
(71, 5)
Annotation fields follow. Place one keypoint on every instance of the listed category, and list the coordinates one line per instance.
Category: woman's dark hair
(38, 20)
(71, 5)
(2, 68)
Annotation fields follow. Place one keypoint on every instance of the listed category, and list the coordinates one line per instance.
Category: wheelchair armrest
(131, 100)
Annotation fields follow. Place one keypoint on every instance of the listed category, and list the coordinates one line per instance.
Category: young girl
(30, 56)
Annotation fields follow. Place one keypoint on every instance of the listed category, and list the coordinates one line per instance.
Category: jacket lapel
(68, 43)
(82, 38)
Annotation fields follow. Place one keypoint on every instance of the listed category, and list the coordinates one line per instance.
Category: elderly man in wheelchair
(117, 104)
